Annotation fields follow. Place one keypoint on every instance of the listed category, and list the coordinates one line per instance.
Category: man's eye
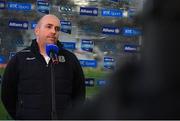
(57, 28)
(48, 27)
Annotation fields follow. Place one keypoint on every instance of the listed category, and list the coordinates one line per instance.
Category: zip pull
(21, 102)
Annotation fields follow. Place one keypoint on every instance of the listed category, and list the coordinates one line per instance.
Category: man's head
(47, 30)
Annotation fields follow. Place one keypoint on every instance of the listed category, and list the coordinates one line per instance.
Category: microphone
(52, 51)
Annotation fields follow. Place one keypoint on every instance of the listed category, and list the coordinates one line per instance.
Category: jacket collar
(35, 47)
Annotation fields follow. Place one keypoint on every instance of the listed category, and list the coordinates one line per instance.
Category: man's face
(47, 31)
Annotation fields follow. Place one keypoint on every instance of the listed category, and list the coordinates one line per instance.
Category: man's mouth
(52, 37)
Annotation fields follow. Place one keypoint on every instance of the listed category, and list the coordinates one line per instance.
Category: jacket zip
(53, 94)
(53, 98)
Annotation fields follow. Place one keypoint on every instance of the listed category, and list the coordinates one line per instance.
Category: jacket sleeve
(79, 83)
(9, 87)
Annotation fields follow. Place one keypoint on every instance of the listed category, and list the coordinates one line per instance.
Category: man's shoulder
(70, 56)
(21, 55)
(67, 52)
(25, 52)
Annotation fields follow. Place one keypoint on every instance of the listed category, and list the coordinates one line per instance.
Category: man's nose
(53, 30)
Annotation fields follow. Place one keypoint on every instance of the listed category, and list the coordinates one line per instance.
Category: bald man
(27, 88)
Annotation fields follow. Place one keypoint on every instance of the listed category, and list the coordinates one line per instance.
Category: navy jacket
(26, 87)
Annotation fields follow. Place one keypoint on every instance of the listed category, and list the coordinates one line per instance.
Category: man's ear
(36, 30)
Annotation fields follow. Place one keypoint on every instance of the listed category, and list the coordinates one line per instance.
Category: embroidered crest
(61, 59)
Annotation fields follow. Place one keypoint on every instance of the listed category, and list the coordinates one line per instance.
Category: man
(27, 91)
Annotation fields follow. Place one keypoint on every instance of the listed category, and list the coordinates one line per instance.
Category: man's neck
(42, 50)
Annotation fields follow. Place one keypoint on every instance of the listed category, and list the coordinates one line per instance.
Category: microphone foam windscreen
(51, 48)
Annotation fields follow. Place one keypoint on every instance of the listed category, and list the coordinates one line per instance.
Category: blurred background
(101, 33)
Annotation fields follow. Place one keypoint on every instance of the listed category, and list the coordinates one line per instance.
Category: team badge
(61, 59)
